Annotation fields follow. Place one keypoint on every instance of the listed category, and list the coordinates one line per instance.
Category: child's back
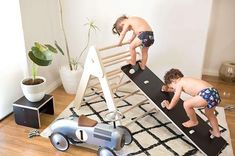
(138, 24)
(193, 86)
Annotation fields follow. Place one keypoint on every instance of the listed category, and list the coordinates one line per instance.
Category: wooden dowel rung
(119, 85)
(116, 58)
(136, 105)
(114, 77)
(98, 83)
(116, 62)
(93, 98)
(112, 85)
(112, 46)
(88, 93)
(93, 85)
(93, 77)
(125, 59)
(124, 91)
(139, 117)
(110, 73)
(126, 96)
(116, 71)
(115, 55)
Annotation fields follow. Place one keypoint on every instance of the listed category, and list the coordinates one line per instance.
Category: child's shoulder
(194, 81)
(186, 80)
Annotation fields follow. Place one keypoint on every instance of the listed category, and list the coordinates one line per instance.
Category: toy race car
(80, 129)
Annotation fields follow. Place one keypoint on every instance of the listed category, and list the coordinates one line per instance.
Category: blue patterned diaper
(147, 38)
(211, 95)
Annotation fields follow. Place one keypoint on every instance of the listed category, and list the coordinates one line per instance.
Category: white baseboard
(4, 114)
(210, 72)
(53, 86)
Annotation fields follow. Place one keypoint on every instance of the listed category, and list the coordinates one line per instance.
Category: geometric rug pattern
(153, 134)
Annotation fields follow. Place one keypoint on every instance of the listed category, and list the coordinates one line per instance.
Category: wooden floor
(14, 140)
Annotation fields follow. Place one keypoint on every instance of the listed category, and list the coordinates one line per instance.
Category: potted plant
(40, 55)
(71, 74)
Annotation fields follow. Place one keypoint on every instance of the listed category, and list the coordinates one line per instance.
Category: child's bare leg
(189, 106)
(192, 116)
(133, 55)
(134, 44)
(213, 121)
(144, 57)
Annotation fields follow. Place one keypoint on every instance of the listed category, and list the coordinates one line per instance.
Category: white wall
(40, 20)
(13, 65)
(221, 37)
(180, 29)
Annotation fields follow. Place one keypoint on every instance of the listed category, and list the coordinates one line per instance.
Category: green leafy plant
(42, 55)
(74, 62)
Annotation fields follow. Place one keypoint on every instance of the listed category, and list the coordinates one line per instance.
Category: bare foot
(142, 66)
(216, 134)
(190, 123)
(131, 62)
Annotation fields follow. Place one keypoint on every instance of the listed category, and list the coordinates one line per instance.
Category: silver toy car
(79, 130)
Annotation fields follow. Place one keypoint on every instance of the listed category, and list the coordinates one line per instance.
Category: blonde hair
(116, 29)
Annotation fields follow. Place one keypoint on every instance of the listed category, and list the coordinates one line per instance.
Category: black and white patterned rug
(153, 134)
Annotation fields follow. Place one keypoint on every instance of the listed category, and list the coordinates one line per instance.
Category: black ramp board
(151, 85)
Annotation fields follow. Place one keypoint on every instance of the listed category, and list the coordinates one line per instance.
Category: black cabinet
(28, 113)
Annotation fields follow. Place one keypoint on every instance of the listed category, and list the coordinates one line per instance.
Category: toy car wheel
(105, 151)
(59, 141)
(127, 135)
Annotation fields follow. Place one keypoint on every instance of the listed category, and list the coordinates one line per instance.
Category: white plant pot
(70, 79)
(34, 93)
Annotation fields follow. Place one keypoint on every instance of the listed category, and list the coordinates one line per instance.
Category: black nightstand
(28, 113)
